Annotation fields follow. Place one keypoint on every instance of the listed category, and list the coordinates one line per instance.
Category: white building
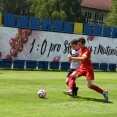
(96, 11)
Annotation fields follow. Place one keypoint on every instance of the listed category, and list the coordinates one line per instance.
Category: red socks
(71, 82)
(96, 88)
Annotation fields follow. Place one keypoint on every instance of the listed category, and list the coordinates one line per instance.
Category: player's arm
(69, 58)
(82, 58)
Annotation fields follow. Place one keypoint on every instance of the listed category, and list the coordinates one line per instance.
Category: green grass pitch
(18, 95)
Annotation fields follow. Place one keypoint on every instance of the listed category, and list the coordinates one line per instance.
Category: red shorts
(84, 72)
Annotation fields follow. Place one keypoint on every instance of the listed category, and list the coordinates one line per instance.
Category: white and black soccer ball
(41, 93)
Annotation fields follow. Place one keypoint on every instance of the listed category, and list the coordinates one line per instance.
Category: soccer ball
(41, 93)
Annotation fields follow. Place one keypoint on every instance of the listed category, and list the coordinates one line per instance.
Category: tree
(18, 7)
(111, 19)
(43, 8)
(66, 10)
(73, 10)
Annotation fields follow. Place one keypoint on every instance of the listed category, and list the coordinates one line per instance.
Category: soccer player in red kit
(86, 69)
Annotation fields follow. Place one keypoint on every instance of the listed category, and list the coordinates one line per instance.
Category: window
(94, 18)
(99, 18)
(88, 16)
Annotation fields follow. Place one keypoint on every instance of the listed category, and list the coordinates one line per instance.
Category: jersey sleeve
(86, 53)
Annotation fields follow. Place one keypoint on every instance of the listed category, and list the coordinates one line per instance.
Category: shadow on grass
(44, 98)
(92, 99)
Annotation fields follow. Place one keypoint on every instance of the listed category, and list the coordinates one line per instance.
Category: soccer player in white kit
(74, 64)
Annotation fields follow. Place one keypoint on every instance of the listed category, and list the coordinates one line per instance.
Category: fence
(12, 20)
(29, 64)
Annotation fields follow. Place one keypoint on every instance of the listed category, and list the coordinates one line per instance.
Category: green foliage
(63, 16)
(18, 7)
(43, 8)
(56, 15)
(111, 19)
(66, 10)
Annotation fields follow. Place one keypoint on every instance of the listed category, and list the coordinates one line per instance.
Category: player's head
(74, 44)
(81, 42)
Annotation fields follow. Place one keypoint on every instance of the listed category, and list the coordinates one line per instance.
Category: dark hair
(82, 40)
(74, 41)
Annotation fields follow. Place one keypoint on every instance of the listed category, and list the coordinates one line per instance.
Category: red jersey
(86, 64)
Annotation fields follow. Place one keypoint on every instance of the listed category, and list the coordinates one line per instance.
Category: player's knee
(71, 77)
(89, 84)
(67, 81)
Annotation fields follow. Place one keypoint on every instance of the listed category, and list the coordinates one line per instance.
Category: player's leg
(94, 87)
(72, 78)
(75, 89)
(67, 80)
(90, 77)
(70, 85)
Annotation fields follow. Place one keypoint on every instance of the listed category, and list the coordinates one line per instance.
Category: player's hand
(69, 56)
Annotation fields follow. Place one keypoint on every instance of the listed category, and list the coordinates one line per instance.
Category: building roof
(97, 4)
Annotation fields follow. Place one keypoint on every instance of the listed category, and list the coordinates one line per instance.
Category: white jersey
(75, 64)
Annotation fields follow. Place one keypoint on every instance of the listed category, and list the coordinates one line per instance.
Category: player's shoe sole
(105, 94)
(68, 93)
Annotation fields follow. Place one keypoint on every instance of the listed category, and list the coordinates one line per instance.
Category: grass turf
(18, 95)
